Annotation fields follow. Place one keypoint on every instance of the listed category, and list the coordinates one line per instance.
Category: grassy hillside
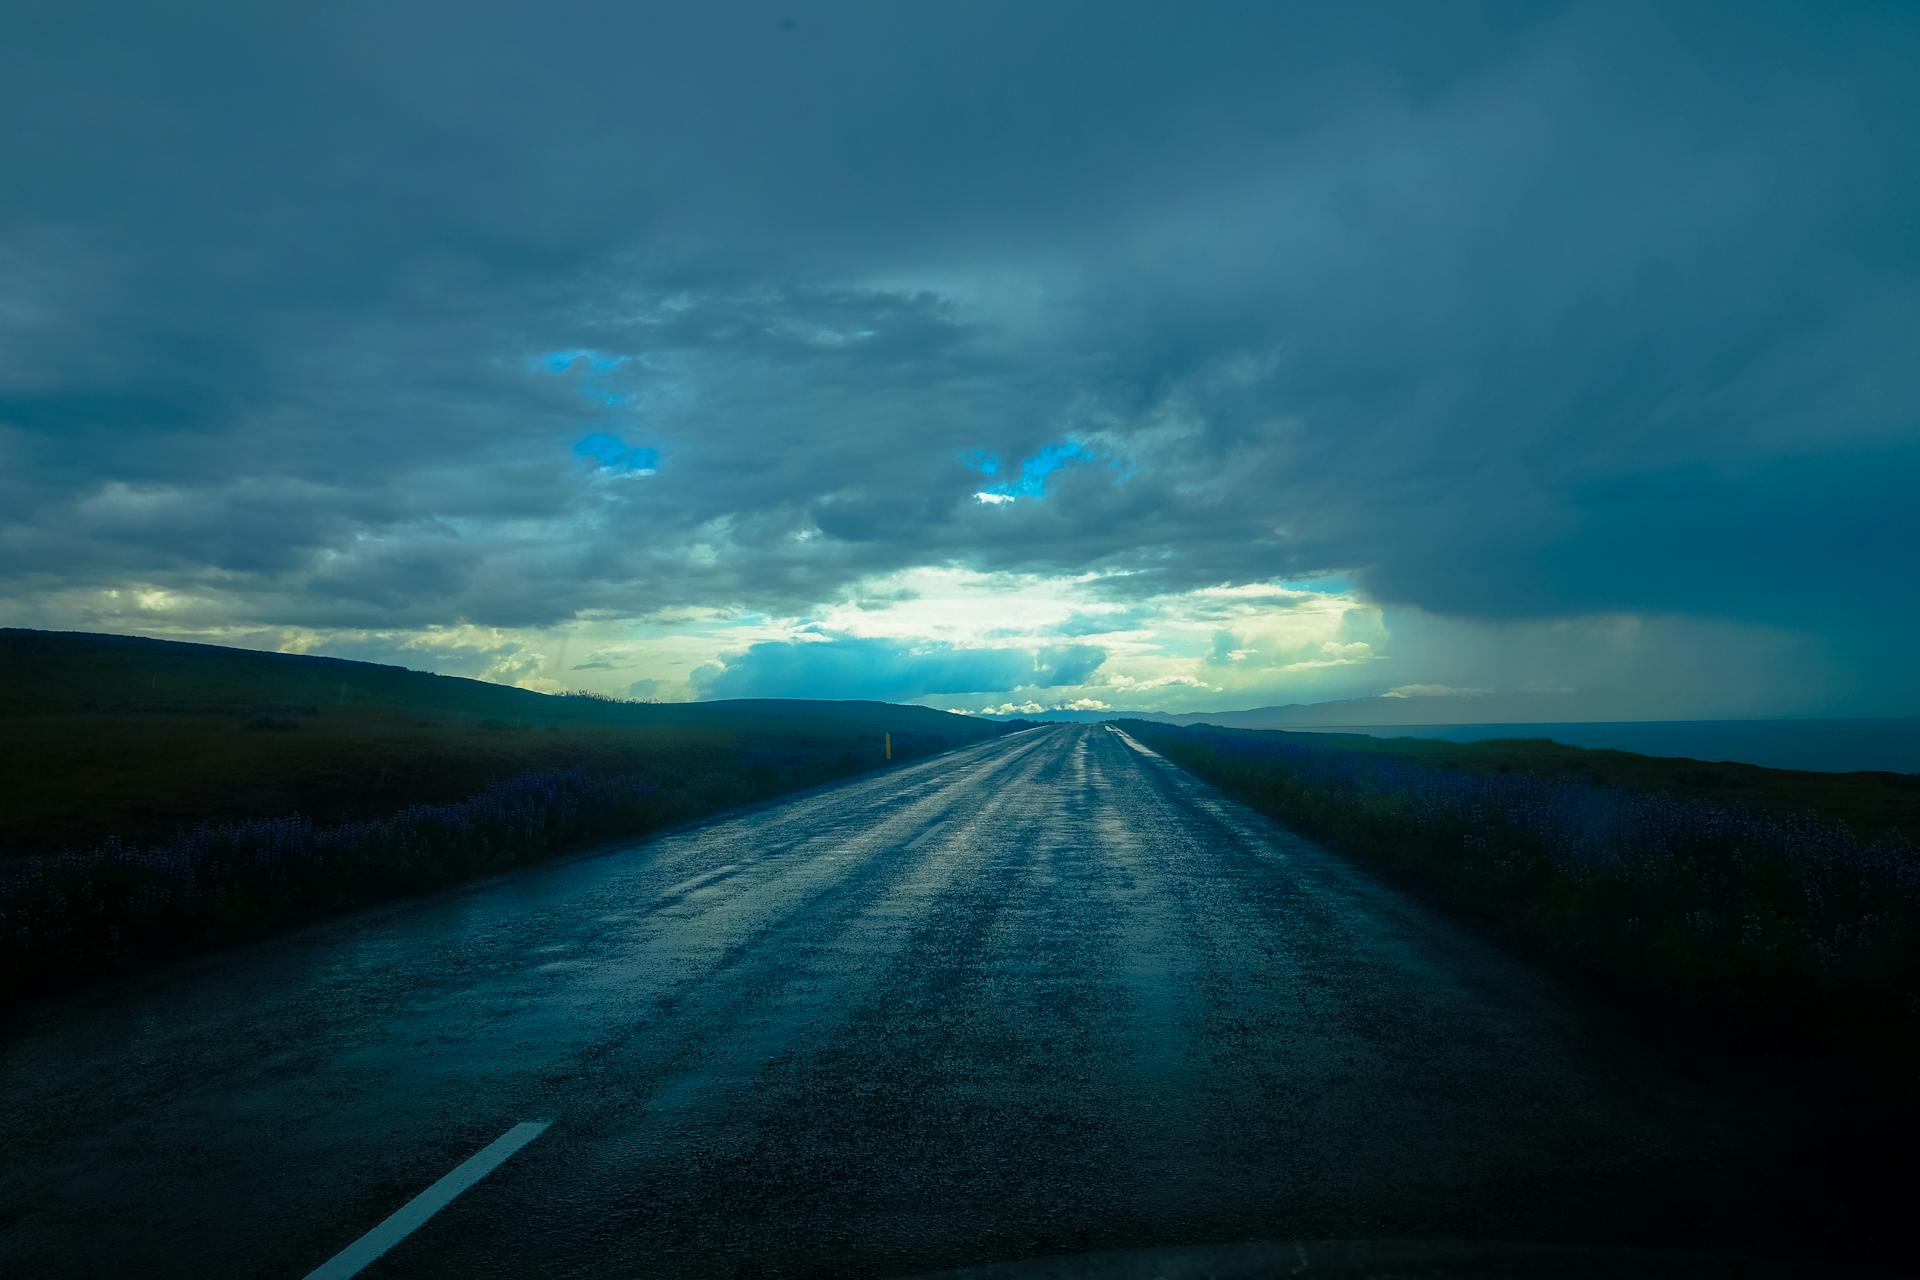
(1870, 803)
(156, 797)
(114, 736)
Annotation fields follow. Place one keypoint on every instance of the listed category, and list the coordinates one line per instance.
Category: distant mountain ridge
(126, 737)
(73, 671)
(1464, 708)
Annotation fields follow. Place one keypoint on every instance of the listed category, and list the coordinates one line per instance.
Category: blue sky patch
(1032, 480)
(614, 454)
(596, 361)
(987, 464)
(1329, 584)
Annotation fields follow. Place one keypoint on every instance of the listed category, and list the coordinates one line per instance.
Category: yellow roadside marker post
(889, 746)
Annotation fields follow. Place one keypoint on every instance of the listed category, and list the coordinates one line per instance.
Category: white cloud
(1431, 691)
(1132, 685)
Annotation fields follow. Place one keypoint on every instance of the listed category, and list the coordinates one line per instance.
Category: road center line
(407, 1219)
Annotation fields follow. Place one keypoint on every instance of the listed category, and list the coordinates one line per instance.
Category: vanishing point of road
(1044, 995)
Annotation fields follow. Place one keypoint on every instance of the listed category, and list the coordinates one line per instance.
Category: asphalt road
(1044, 995)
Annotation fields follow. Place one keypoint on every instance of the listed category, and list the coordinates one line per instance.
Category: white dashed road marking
(407, 1219)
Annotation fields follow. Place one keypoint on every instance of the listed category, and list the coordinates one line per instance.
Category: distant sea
(1825, 746)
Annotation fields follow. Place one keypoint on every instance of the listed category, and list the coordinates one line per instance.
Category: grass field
(159, 797)
(1869, 803)
(106, 736)
(1780, 909)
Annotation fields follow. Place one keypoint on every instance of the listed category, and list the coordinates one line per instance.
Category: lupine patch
(69, 916)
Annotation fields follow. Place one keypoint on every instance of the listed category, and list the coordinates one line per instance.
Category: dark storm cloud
(1063, 664)
(1503, 310)
(890, 670)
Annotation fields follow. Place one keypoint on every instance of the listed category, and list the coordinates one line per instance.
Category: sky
(990, 356)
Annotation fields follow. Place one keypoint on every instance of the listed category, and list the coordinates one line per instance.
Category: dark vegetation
(1868, 803)
(1778, 913)
(157, 798)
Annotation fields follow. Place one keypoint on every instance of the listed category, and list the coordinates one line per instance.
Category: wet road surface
(1043, 995)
